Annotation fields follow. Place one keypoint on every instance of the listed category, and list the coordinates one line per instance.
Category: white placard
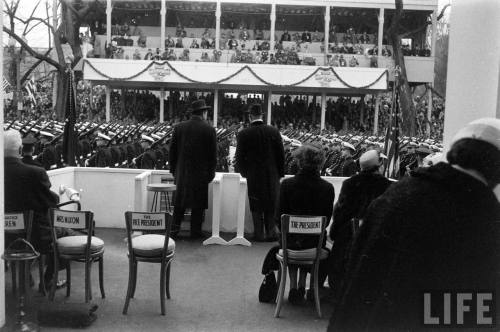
(69, 219)
(14, 221)
(148, 221)
(305, 225)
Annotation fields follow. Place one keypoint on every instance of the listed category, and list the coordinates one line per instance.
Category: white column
(109, 9)
(2, 192)
(163, 15)
(323, 110)
(434, 33)
(108, 104)
(327, 31)
(474, 89)
(218, 13)
(380, 30)
(269, 107)
(375, 116)
(162, 105)
(216, 107)
(273, 27)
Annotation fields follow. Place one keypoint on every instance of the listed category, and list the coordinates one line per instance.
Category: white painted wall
(473, 87)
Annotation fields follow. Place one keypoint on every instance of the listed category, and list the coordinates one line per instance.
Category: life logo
(325, 77)
(159, 71)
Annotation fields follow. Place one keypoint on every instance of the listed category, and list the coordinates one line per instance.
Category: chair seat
(75, 245)
(151, 245)
(161, 187)
(303, 255)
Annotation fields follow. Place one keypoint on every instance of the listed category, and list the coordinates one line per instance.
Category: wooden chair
(305, 226)
(154, 247)
(80, 248)
(18, 224)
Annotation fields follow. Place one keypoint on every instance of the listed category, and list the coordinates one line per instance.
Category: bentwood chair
(85, 249)
(154, 246)
(17, 225)
(304, 226)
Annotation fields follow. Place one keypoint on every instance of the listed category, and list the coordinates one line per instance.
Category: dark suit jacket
(305, 194)
(260, 158)
(193, 158)
(28, 160)
(349, 167)
(306, 37)
(28, 188)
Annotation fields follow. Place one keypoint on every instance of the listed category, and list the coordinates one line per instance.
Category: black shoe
(60, 284)
(294, 297)
(301, 292)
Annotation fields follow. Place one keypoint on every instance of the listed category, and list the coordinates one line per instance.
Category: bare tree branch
(33, 67)
(31, 28)
(423, 27)
(32, 13)
(31, 50)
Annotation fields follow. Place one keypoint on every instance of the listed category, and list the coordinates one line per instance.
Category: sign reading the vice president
(152, 221)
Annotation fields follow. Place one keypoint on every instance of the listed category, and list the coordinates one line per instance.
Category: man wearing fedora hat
(192, 159)
(260, 158)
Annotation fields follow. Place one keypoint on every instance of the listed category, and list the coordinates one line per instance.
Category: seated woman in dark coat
(304, 194)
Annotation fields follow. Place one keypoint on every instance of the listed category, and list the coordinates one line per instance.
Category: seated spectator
(141, 42)
(171, 55)
(259, 34)
(179, 44)
(304, 194)
(272, 59)
(97, 46)
(164, 55)
(178, 30)
(386, 52)
(119, 53)
(206, 34)
(183, 33)
(353, 62)
(364, 38)
(244, 35)
(136, 31)
(306, 37)
(373, 61)
(157, 55)
(232, 44)
(204, 57)
(350, 36)
(216, 56)
(357, 49)
(222, 41)
(169, 42)
(185, 55)
(333, 35)
(335, 61)
(149, 55)
(194, 44)
(285, 36)
(205, 44)
(342, 61)
(316, 36)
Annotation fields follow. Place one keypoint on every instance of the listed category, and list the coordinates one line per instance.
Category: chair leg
(68, 279)
(41, 282)
(316, 289)
(153, 204)
(55, 277)
(14, 276)
(90, 279)
(168, 280)
(129, 288)
(162, 288)
(134, 278)
(281, 291)
(279, 283)
(101, 276)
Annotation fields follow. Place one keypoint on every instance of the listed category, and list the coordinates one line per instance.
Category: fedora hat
(198, 106)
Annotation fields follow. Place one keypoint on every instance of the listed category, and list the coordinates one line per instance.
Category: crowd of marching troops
(146, 145)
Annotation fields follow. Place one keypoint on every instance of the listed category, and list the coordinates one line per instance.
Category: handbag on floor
(268, 289)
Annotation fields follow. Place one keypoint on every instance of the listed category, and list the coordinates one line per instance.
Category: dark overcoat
(349, 167)
(260, 158)
(192, 161)
(435, 229)
(27, 187)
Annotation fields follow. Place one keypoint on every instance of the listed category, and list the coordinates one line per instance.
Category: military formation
(146, 145)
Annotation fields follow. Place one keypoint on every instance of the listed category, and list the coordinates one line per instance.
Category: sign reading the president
(305, 225)
(14, 221)
(159, 71)
(148, 221)
(69, 219)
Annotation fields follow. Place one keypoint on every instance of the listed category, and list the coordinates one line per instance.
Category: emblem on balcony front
(325, 77)
(159, 71)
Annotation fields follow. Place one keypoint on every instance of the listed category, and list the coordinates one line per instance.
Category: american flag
(5, 84)
(30, 88)
(391, 147)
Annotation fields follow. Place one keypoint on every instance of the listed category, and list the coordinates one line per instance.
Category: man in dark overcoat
(192, 159)
(355, 196)
(436, 229)
(27, 187)
(28, 150)
(348, 166)
(260, 158)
